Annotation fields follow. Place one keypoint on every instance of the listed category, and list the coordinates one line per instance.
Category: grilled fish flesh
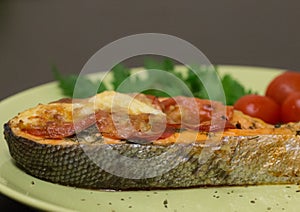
(91, 143)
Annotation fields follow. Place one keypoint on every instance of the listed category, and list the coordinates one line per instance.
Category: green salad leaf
(196, 83)
(233, 89)
(86, 85)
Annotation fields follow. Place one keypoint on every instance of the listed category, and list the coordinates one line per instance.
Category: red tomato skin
(261, 107)
(290, 108)
(282, 85)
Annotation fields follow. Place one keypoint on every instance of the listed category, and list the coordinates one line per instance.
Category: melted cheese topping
(113, 101)
(42, 113)
(110, 101)
(186, 136)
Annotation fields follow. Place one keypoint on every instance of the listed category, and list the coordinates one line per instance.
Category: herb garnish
(233, 89)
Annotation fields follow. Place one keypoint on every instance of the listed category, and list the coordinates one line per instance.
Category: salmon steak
(140, 142)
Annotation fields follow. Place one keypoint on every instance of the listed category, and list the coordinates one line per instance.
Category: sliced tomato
(182, 112)
(50, 130)
(150, 100)
(60, 129)
(133, 127)
(197, 114)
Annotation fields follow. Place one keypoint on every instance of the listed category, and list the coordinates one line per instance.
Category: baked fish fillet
(252, 153)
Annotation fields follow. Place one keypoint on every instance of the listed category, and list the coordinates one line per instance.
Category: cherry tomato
(258, 106)
(290, 108)
(284, 84)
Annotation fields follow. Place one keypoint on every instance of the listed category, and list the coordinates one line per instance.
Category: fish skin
(234, 161)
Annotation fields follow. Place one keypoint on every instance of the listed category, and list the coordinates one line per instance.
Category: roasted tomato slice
(60, 119)
(57, 120)
(133, 127)
(60, 129)
(194, 113)
(150, 100)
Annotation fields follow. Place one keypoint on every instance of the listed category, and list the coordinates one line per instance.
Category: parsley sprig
(156, 84)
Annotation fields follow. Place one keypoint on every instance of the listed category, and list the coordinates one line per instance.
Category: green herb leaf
(233, 89)
(198, 83)
(120, 73)
(85, 87)
(67, 83)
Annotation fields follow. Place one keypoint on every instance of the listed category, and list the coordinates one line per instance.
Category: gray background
(34, 34)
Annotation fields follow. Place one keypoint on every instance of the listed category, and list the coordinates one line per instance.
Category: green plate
(48, 196)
